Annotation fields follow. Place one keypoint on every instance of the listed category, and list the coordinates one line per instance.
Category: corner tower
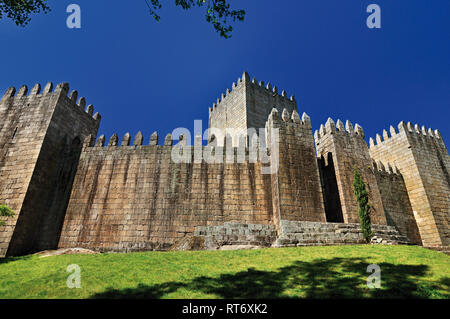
(342, 149)
(422, 158)
(41, 137)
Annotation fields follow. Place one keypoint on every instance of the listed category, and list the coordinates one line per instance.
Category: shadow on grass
(12, 259)
(321, 278)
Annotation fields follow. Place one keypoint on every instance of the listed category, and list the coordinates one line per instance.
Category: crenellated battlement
(242, 82)
(386, 169)
(248, 149)
(247, 105)
(289, 119)
(218, 105)
(407, 130)
(268, 88)
(126, 140)
(244, 152)
(338, 128)
(10, 97)
(227, 95)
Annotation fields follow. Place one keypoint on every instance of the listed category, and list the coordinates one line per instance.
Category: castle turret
(396, 203)
(341, 150)
(422, 158)
(296, 189)
(41, 137)
(248, 105)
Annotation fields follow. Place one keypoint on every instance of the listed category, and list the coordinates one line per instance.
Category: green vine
(362, 197)
(5, 211)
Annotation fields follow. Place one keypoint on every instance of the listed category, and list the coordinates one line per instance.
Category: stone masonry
(422, 159)
(72, 189)
(349, 151)
(40, 143)
(248, 105)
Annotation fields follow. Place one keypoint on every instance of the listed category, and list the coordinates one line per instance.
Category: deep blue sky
(143, 75)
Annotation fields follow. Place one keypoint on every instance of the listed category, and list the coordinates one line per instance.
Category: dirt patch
(66, 251)
(240, 247)
(190, 242)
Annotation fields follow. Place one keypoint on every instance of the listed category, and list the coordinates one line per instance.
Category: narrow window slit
(14, 134)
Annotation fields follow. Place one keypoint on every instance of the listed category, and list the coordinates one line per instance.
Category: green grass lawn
(308, 272)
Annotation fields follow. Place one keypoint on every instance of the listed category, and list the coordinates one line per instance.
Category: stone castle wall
(422, 158)
(40, 141)
(349, 151)
(396, 204)
(296, 182)
(127, 196)
(21, 137)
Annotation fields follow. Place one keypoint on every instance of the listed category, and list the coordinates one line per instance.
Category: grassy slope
(313, 272)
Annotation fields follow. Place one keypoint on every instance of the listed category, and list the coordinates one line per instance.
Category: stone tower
(296, 189)
(341, 149)
(41, 137)
(248, 105)
(422, 158)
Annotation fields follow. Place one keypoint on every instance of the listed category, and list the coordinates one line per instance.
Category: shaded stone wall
(330, 190)
(296, 181)
(349, 151)
(422, 158)
(37, 159)
(23, 124)
(129, 198)
(397, 206)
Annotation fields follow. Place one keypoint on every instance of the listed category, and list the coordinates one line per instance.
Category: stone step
(330, 226)
(338, 231)
(314, 236)
(334, 232)
(296, 233)
(230, 226)
(237, 234)
(212, 232)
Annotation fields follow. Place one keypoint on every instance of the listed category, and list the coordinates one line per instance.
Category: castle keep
(72, 189)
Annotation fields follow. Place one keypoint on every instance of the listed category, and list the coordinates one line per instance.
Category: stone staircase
(294, 233)
(236, 234)
(228, 236)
